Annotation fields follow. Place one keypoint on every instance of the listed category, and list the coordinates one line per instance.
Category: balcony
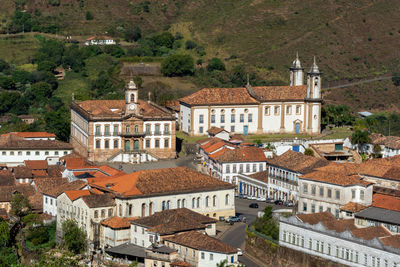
(132, 134)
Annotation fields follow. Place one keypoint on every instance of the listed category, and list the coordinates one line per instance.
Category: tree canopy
(74, 237)
(177, 65)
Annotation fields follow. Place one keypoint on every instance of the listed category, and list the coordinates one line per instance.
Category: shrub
(215, 64)
(74, 237)
(88, 15)
(309, 152)
(190, 44)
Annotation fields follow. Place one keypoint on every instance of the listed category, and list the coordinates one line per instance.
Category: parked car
(253, 205)
(261, 198)
(241, 196)
(233, 219)
(288, 204)
(269, 200)
(221, 218)
(239, 252)
(278, 202)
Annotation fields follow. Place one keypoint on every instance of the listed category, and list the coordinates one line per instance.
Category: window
(362, 194)
(148, 143)
(304, 206)
(254, 168)
(201, 118)
(168, 202)
(353, 194)
(312, 208)
(266, 110)
(337, 194)
(227, 169)
(247, 167)
(313, 188)
(157, 127)
(298, 110)
(288, 110)
(214, 201)
(337, 213)
(234, 168)
(329, 193)
(321, 191)
(115, 143)
(97, 143)
(107, 130)
(183, 203)
(201, 129)
(241, 117)
(28, 153)
(46, 153)
(55, 153)
(136, 128)
(166, 129)
(232, 129)
(198, 202)
(250, 118)
(207, 201)
(147, 128)
(305, 188)
(106, 144)
(211, 257)
(115, 129)
(222, 118)
(163, 207)
(276, 110)
(193, 203)
(37, 153)
(310, 243)
(19, 153)
(178, 204)
(103, 213)
(232, 117)
(321, 209)
(110, 212)
(97, 130)
(130, 209)
(157, 143)
(227, 199)
(212, 118)
(96, 214)
(240, 168)
(166, 143)
(45, 199)
(202, 255)
(127, 129)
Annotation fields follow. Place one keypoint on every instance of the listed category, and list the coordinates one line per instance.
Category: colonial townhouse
(130, 130)
(211, 147)
(254, 185)
(15, 149)
(262, 109)
(226, 164)
(340, 241)
(201, 250)
(329, 191)
(383, 172)
(284, 172)
(388, 146)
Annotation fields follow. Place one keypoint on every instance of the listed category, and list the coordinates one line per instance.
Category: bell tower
(314, 82)
(131, 98)
(296, 72)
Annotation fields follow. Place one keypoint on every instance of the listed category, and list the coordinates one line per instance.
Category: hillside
(351, 39)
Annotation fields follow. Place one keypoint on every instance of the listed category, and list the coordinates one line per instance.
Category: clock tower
(131, 98)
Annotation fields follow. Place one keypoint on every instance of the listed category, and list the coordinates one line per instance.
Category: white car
(239, 252)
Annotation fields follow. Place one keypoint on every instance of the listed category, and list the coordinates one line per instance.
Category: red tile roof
(118, 222)
(261, 176)
(386, 202)
(276, 93)
(159, 181)
(393, 241)
(215, 130)
(335, 178)
(74, 194)
(58, 190)
(243, 154)
(369, 233)
(353, 207)
(298, 162)
(17, 142)
(32, 134)
(36, 164)
(199, 241)
(75, 163)
(6, 192)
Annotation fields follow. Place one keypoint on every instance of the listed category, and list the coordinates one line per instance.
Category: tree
(396, 78)
(114, 50)
(133, 34)
(164, 39)
(20, 206)
(190, 44)
(360, 138)
(177, 65)
(6, 83)
(4, 65)
(4, 233)
(309, 152)
(88, 15)
(74, 237)
(58, 122)
(40, 91)
(215, 64)
(46, 66)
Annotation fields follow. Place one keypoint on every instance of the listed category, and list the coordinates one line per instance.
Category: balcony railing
(132, 134)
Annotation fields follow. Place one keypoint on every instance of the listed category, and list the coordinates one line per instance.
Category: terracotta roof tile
(118, 222)
(209, 148)
(275, 93)
(386, 191)
(344, 168)
(6, 178)
(386, 202)
(174, 221)
(32, 134)
(173, 105)
(75, 163)
(75, 185)
(212, 96)
(36, 201)
(369, 233)
(75, 194)
(99, 200)
(16, 142)
(44, 185)
(243, 154)
(218, 153)
(328, 220)
(36, 164)
(199, 241)
(335, 178)
(22, 172)
(261, 176)
(315, 218)
(298, 162)
(353, 207)
(39, 173)
(149, 182)
(393, 241)
(215, 130)
(180, 263)
(6, 192)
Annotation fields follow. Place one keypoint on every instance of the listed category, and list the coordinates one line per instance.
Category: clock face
(131, 107)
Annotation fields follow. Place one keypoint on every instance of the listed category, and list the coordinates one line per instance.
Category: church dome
(131, 85)
(314, 67)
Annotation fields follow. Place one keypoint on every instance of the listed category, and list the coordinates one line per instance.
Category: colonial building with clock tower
(130, 130)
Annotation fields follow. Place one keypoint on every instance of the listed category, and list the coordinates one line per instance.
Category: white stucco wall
(17, 157)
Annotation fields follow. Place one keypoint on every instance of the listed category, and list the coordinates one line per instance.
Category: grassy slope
(351, 39)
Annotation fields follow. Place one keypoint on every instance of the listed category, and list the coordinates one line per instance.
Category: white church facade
(256, 110)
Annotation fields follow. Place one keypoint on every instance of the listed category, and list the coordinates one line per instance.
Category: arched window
(163, 207)
(183, 203)
(193, 203)
(115, 143)
(151, 208)
(136, 128)
(214, 201)
(207, 201)
(132, 97)
(120, 210)
(227, 199)
(143, 209)
(127, 129)
(168, 204)
(179, 204)
(103, 213)
(130, 210)
(96, 214)
(198, 202)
